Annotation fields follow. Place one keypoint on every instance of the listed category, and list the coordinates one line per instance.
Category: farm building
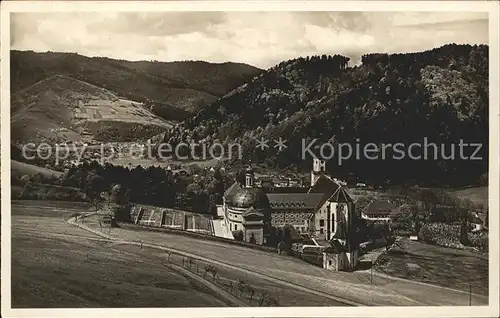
(379, 211)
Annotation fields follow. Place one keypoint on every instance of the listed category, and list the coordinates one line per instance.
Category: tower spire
(249, 176)
(319, 168)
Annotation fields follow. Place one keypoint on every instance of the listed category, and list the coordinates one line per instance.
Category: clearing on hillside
(62, 108)
(478, 195)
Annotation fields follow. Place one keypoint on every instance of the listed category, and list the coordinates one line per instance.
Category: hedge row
(448, 235)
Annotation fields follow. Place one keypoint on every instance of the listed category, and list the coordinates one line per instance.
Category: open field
(55, 264)
(293, 279)
(59, 265)
(285, 296)
(437, 265)
(353, 286)
(18, 169)
(478, 195)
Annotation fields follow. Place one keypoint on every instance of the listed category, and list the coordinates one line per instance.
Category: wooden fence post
(470, 294)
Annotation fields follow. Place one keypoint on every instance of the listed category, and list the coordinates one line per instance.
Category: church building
(324, 210)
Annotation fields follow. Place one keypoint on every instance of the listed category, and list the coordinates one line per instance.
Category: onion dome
(253, 197)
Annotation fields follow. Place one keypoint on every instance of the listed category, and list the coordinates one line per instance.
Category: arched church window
(334, 222)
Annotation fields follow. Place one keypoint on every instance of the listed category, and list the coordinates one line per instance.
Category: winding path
(219, 263)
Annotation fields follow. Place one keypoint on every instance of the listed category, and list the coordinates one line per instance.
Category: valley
(269, 200)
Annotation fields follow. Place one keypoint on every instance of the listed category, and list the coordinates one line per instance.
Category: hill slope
(19, 169)
(440, 94)
(173, 90)
(62, 108)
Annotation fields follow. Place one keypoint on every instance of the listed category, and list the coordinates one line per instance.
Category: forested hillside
(172, 90)
(440, 94)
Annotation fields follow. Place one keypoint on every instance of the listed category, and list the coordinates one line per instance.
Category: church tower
(249, 177)
(319, 168)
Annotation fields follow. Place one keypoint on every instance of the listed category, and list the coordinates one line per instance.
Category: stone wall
(171, 218)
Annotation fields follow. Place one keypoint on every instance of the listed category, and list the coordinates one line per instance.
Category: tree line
(439, 94)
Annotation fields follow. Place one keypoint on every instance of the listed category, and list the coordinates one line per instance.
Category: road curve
(340, 300)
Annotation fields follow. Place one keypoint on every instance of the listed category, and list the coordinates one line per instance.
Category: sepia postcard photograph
(250, 158)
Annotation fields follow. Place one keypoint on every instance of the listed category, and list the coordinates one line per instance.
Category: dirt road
(56, 264)
(357, 287)
(286, 273)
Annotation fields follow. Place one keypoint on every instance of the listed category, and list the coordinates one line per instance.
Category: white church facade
(324, 211)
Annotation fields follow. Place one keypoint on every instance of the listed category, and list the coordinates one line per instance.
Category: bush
(35, 191)
(283, 247)
(426, 235)
(442, 234)
(479, 240)
(464, 237)
(121, 212)
(238, 235)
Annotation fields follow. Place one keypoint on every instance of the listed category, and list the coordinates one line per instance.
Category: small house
(336, 257)
(476, 223)
(379, 211)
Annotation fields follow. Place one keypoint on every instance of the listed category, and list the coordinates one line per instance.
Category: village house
(476, 223)
(378, 210)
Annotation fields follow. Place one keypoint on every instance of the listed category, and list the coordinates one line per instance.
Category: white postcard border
(66, 6)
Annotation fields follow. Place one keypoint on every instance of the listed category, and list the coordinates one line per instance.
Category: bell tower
(249, 177)
(319, 167)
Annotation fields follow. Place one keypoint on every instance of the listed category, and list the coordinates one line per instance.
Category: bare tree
(251, 291)
(241, 287)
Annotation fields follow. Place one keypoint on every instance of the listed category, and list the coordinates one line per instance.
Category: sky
(262, 39)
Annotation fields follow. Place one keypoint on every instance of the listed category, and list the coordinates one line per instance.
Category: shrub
(479, 240)
(283, 247)
(121, 212)
(34, 191)
(426, 235)
(403, 221)
(238, 235)
(443, 234)
(464, 237)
